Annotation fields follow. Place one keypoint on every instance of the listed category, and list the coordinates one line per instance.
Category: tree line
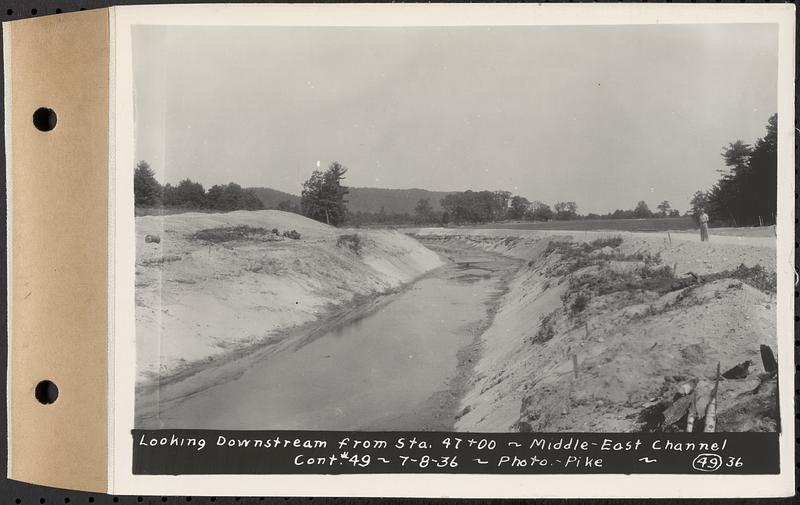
(491, 206)
(746, 192)
(189, 195)
(745, 195)
(323, 198)
(640, 211)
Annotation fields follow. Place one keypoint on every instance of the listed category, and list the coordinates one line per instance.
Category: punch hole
(44, 119)
(46, 392)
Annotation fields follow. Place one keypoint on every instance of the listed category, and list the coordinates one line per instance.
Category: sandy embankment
(633, 346)
(196, 300)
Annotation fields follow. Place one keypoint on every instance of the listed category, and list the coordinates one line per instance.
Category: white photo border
(122, 255)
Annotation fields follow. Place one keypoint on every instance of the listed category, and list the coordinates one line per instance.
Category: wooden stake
(670, 238)
(711, 410)
(768, 359)
(692, 416)
(575, 364)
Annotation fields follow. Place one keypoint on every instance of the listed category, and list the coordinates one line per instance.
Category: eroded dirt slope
(638, 330)
(216, 283)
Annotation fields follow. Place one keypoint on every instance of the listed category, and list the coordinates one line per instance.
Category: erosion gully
(401, 366)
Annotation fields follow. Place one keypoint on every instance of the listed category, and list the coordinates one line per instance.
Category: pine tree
(146, 189)
(323, 196)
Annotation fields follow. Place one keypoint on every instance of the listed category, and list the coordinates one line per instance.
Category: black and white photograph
(492, 229)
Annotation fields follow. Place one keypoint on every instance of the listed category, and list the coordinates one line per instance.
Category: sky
(601, 115)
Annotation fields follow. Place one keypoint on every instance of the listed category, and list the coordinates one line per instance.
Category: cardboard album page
(403, 250)
(57, 174)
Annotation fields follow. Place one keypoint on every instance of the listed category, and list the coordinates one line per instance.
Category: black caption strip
(176, 452)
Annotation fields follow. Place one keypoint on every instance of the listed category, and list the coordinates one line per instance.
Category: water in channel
(394, 368)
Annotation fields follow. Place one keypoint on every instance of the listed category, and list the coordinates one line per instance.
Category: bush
(659, 279)
(547, 328)
(275, 231)
(606, 242)
(756, 276)
(160, 260)
(292, 234)
(579, 304)
(351, 241)
(229, 233)
(577, 255)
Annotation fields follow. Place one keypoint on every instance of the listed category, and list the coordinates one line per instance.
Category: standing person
(703, 218)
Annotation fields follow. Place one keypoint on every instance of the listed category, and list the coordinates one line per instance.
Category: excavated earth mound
(605, 332)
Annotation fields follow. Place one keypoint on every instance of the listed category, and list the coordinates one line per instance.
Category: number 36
(732, 462)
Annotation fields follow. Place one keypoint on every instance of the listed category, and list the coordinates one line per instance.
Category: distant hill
(272, 197)
(363, 199)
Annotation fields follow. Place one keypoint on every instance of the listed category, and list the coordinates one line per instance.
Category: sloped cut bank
(397, 362)
(637, 331)
(209, 285)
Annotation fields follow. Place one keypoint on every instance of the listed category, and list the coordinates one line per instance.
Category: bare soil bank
(638, 331)
(206, 296)
(642, 314)
(398, 362)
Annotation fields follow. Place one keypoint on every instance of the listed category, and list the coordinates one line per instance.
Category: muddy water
(388, 369)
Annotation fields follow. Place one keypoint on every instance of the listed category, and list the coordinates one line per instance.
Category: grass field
(651, 224)
(683, 223)
(168, 211)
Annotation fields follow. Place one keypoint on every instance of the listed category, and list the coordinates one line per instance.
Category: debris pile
(694, 403)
